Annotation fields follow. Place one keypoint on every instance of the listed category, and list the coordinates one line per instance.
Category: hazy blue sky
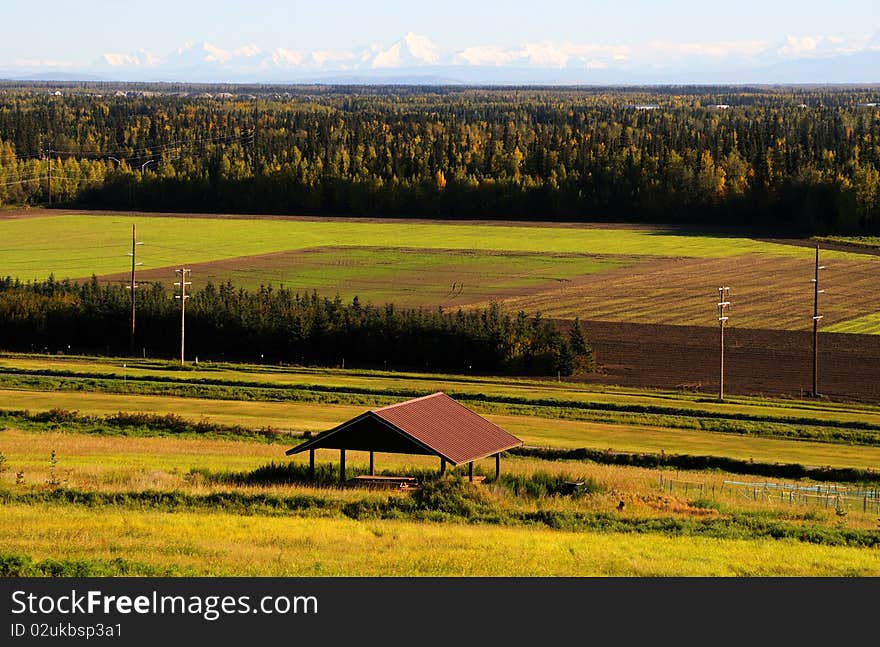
(82, 30)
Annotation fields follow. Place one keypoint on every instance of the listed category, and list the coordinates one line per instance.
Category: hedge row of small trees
(280, 325)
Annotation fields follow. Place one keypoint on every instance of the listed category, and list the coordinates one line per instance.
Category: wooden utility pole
(723, 304)
(46, 154)
(816, 318)
(183, 296)
(133, 285)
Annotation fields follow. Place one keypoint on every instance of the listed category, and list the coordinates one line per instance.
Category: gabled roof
(433, 424)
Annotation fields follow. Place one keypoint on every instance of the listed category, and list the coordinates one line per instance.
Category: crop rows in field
(867, 325)
(757, 362)
(766, 292)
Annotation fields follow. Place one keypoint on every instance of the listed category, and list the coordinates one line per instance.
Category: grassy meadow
(188, 543)
(90, 493)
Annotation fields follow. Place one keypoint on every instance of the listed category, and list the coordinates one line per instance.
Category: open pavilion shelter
(433, 425)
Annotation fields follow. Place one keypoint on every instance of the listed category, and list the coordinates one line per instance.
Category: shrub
(453, 496)
(541, 484)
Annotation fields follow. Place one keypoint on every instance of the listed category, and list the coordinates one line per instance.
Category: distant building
(721, 106)
(642, 106)
(868, 105)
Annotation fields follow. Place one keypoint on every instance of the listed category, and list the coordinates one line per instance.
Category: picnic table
(385, 482)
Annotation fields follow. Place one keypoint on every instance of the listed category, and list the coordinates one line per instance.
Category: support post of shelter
(497, 465)
(471, 471)
(312, 464)
(442, 466)
(372, 470)
(342, 466)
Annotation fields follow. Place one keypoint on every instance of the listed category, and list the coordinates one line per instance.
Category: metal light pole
(144, 166)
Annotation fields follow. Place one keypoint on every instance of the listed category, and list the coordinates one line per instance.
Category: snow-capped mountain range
(417, 59)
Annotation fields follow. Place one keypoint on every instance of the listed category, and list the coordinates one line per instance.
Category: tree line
(803, 159)
(277, 325)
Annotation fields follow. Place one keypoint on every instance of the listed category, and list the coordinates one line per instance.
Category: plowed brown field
(757, 362)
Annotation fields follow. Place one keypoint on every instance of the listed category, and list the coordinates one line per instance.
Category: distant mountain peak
(410, 51)
(793, 59)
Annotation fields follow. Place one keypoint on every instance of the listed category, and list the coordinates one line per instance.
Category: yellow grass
(382, 380)
(225, 544)
(283, 416)
(533, 430)
(131, 464)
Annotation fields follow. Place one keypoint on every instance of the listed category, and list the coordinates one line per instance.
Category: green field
(405, 277)
(78, 245)
(867, 325)
(643, 275)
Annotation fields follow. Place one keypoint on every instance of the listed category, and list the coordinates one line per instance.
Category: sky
(315, 35)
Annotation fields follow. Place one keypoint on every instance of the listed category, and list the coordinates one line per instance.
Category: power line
(36, 178)
(153, 150)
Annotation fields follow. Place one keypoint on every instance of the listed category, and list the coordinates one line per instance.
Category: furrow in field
(766, 292)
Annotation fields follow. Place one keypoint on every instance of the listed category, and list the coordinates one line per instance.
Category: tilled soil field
(766, 291)
(768, 362)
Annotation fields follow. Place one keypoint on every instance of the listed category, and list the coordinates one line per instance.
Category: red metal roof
(451, 429)
(436, 423)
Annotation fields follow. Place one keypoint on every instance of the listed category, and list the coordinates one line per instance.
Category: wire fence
(828, 495)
